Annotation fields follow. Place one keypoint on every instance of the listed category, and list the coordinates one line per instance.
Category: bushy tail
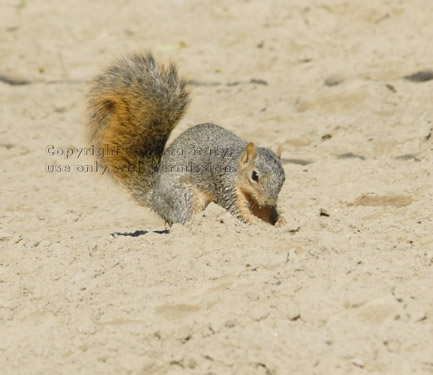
(132, 108)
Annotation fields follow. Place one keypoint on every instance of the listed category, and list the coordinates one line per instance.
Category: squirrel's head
(261, 175)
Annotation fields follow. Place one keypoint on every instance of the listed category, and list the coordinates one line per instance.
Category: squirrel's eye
(255, 176)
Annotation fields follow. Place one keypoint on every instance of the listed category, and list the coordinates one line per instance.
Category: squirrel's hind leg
(180, 201)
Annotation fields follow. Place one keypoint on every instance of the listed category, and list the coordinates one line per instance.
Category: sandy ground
(344, 288)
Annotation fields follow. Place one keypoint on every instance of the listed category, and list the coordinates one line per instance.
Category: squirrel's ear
(279, 151)
(249, 153)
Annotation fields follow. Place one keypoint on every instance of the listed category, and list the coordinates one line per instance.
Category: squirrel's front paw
(248, 219)
(280, 221)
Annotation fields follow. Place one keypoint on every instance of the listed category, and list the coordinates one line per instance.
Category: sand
(345, 287)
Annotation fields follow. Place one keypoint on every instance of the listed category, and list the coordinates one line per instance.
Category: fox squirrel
(132, 108)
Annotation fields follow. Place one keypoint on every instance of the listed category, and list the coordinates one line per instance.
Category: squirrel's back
(132, 108)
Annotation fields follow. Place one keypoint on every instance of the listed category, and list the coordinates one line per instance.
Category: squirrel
(133, 106)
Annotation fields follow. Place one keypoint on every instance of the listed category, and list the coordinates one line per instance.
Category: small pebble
(292, 312)
(421, 76)
(358, 362)
(323, 212)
